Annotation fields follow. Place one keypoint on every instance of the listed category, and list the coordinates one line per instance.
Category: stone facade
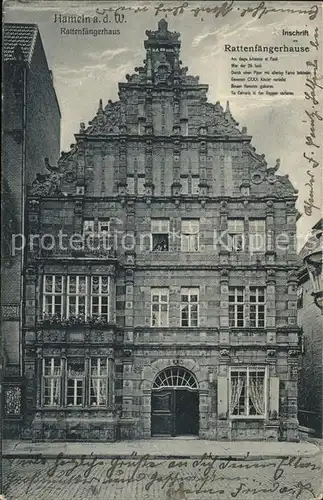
(310, 318)
(162, 154)
(31, 132)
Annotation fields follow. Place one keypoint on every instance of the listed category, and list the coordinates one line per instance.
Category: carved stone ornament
(46, 185)
(271, 353)
(224, 352)
(292, 353)
(224, 273)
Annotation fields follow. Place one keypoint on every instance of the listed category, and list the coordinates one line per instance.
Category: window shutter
(222, 398)
(273, 397)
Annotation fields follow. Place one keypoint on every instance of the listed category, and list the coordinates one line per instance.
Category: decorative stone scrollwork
(12, 400)
(292, 276)
(224, 352)
(46, 185)
(33, 205)
(30, 275)
(293, 353)
(127, 353)
(224, 273)
(271, 353)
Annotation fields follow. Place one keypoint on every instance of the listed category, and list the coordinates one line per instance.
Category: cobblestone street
(152, 478)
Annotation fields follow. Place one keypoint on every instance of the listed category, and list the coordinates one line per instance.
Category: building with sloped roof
(31, 132)
(167, 309)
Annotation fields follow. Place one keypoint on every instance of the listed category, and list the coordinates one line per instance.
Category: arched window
(175, 377)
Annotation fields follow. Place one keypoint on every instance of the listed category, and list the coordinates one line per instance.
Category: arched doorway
(174, 403)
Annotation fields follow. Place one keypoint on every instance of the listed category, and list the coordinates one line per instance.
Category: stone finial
(163, 26)
(100, 109)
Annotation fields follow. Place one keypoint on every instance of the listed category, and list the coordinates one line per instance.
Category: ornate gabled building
(157, 303)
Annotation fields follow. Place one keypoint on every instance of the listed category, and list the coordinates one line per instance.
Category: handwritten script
(312, 153)
(216, 9)
(165, 477)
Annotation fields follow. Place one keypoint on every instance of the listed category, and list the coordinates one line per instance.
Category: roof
(17, 33)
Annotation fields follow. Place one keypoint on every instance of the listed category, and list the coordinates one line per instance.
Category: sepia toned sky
(87, 68)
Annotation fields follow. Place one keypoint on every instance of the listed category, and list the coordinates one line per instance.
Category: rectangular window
(236, 306)
(75, 376)
(77, 293)
(159, 307)
(130, 184)
(51, 381)
(99, 382)
(190, 235)
(184, 127)
(257, 235)
(88, 226)
(257, 307)
(103, 227)
(236, 235)
(195, 184)
(100, 297)
(53, 295)
(184, 183)
(160, 235)
(300, 298)
(189, 307)
(247, 392)
(141, 184)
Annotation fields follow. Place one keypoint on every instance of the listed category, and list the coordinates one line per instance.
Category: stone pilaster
(292, 424)
(122, 180)
(224, 307)
(291, 298)
(270, 232)
(271, 305)
(149, 185)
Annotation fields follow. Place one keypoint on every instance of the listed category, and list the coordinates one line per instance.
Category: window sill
(75, 408)
(247, 417)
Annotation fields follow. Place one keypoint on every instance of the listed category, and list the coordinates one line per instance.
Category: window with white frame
(195, 184)
(77, 295)
(159, 306)
(257, 306)
(184, 183)
(75, 378)
(130, 184)
(236, 307)
(141, 179)
(248, 392)
(100, 297)
(189, 307)
(53, 295)
(236, 235)
(51, 381)
(88, 226)
(99, 383)
(190, 235)
(257, 235)
(160, 235)
(103, 227)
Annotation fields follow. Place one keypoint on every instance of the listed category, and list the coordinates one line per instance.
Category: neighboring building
(31, 132)
(310, 399)
(171, 331)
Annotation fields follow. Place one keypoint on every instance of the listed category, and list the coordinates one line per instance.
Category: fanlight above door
(175, 378)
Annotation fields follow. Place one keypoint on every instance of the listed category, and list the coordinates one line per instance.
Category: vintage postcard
(161, 278)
